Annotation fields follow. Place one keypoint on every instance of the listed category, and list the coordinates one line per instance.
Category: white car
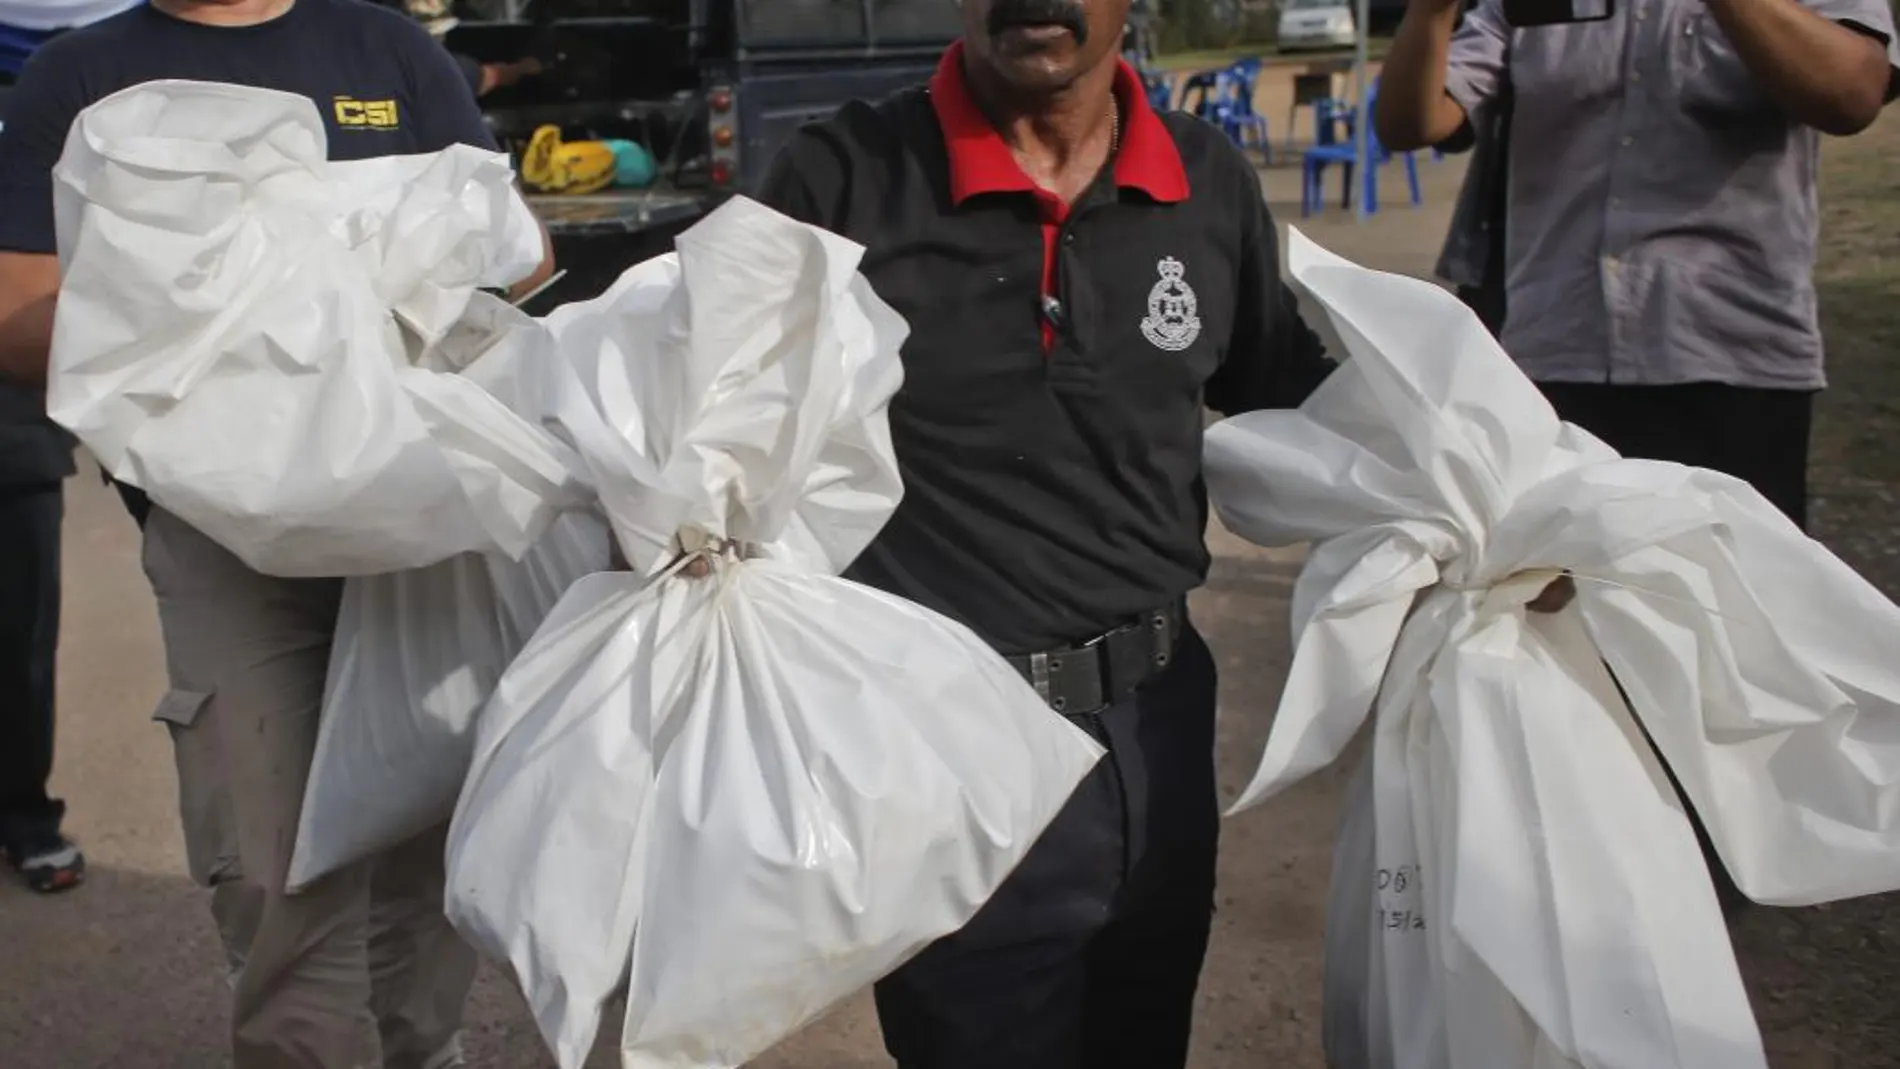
(1316, 24)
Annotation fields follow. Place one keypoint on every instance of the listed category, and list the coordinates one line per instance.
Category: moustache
(1067, 14)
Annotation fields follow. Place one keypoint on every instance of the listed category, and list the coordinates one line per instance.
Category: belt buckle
(1039, 679)
(1044, 666)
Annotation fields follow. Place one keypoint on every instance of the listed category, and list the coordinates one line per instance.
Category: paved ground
(126, 973)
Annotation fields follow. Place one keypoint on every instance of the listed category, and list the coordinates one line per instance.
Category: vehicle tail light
(721, 173)
(722, 136)
(720, 100)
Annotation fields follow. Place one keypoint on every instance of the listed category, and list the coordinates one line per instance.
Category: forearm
(1821, 73)
(541, 273)
(1414, 110)
(26, 339)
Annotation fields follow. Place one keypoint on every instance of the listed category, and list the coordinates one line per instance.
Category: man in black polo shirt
(1080, 275)
(360, 969)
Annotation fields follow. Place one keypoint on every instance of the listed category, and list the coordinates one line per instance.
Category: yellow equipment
(551, 165)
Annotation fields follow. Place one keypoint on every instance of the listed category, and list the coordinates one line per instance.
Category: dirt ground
(1825, 980)
(126, 973)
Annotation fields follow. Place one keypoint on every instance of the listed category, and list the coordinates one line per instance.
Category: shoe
(50, 867)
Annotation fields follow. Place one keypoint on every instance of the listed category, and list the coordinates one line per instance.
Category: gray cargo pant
(360, 970)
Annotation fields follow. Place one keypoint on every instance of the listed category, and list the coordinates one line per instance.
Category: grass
(1857, 432)
(1823, 978)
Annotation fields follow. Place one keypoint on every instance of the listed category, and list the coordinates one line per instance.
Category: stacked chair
(1225, 98)
(1329, 116)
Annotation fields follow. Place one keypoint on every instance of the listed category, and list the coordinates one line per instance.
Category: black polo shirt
(1049, 426)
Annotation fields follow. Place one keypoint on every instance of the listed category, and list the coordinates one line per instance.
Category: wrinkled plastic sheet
(242, 323)
(418, 652)
(742, 797)
(745, 796)
(416, 657)
(1518, 884)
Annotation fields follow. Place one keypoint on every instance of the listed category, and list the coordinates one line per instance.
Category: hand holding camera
(1525, 14)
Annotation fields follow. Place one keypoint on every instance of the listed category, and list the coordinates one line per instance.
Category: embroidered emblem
(1172, 324)
(354, 114)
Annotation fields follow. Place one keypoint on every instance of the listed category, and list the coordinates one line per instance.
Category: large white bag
(748, 795)
(418, 653)
(416, 657)
(1534, 891)
(241, 325)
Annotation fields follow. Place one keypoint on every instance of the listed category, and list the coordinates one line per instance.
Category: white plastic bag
(239, 323)
(746, 796)
(417, 655)
(1536, 893)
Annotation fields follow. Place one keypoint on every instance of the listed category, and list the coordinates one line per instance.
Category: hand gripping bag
(240, 323)
(744, 796)
(1517, 884)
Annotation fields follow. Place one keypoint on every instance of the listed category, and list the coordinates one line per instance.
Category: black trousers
(1488, 302)
(29, 639)
(1089, 955)
(1757, 436)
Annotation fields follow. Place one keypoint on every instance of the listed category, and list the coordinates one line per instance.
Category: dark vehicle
(1384, 16)
(711, 88)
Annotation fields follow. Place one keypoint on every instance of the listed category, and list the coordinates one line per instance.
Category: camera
(1529, 13)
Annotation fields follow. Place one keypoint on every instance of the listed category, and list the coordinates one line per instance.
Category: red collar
(981, 162)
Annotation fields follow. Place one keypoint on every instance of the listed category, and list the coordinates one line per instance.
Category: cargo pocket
(204, 790)
(180, 708)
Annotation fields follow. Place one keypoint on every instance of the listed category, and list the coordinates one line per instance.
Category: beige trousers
(361, 969)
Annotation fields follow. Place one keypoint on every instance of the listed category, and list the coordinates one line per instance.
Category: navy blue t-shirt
(383, 85)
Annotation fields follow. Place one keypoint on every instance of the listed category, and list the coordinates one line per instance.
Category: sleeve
(1480, 59)
(449, 112)
(1273, 360)
(1875, 18)
(471, 69)
(807, 180)
(40, 112)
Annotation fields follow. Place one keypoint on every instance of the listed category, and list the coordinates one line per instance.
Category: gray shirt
(1662, 208)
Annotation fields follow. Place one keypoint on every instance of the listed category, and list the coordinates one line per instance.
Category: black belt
(1106, 669)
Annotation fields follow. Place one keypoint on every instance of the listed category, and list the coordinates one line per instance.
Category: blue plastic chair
(1329, 115)
(1159, 85)
(1200, 96)
(1313, 168)
(1240, 120)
